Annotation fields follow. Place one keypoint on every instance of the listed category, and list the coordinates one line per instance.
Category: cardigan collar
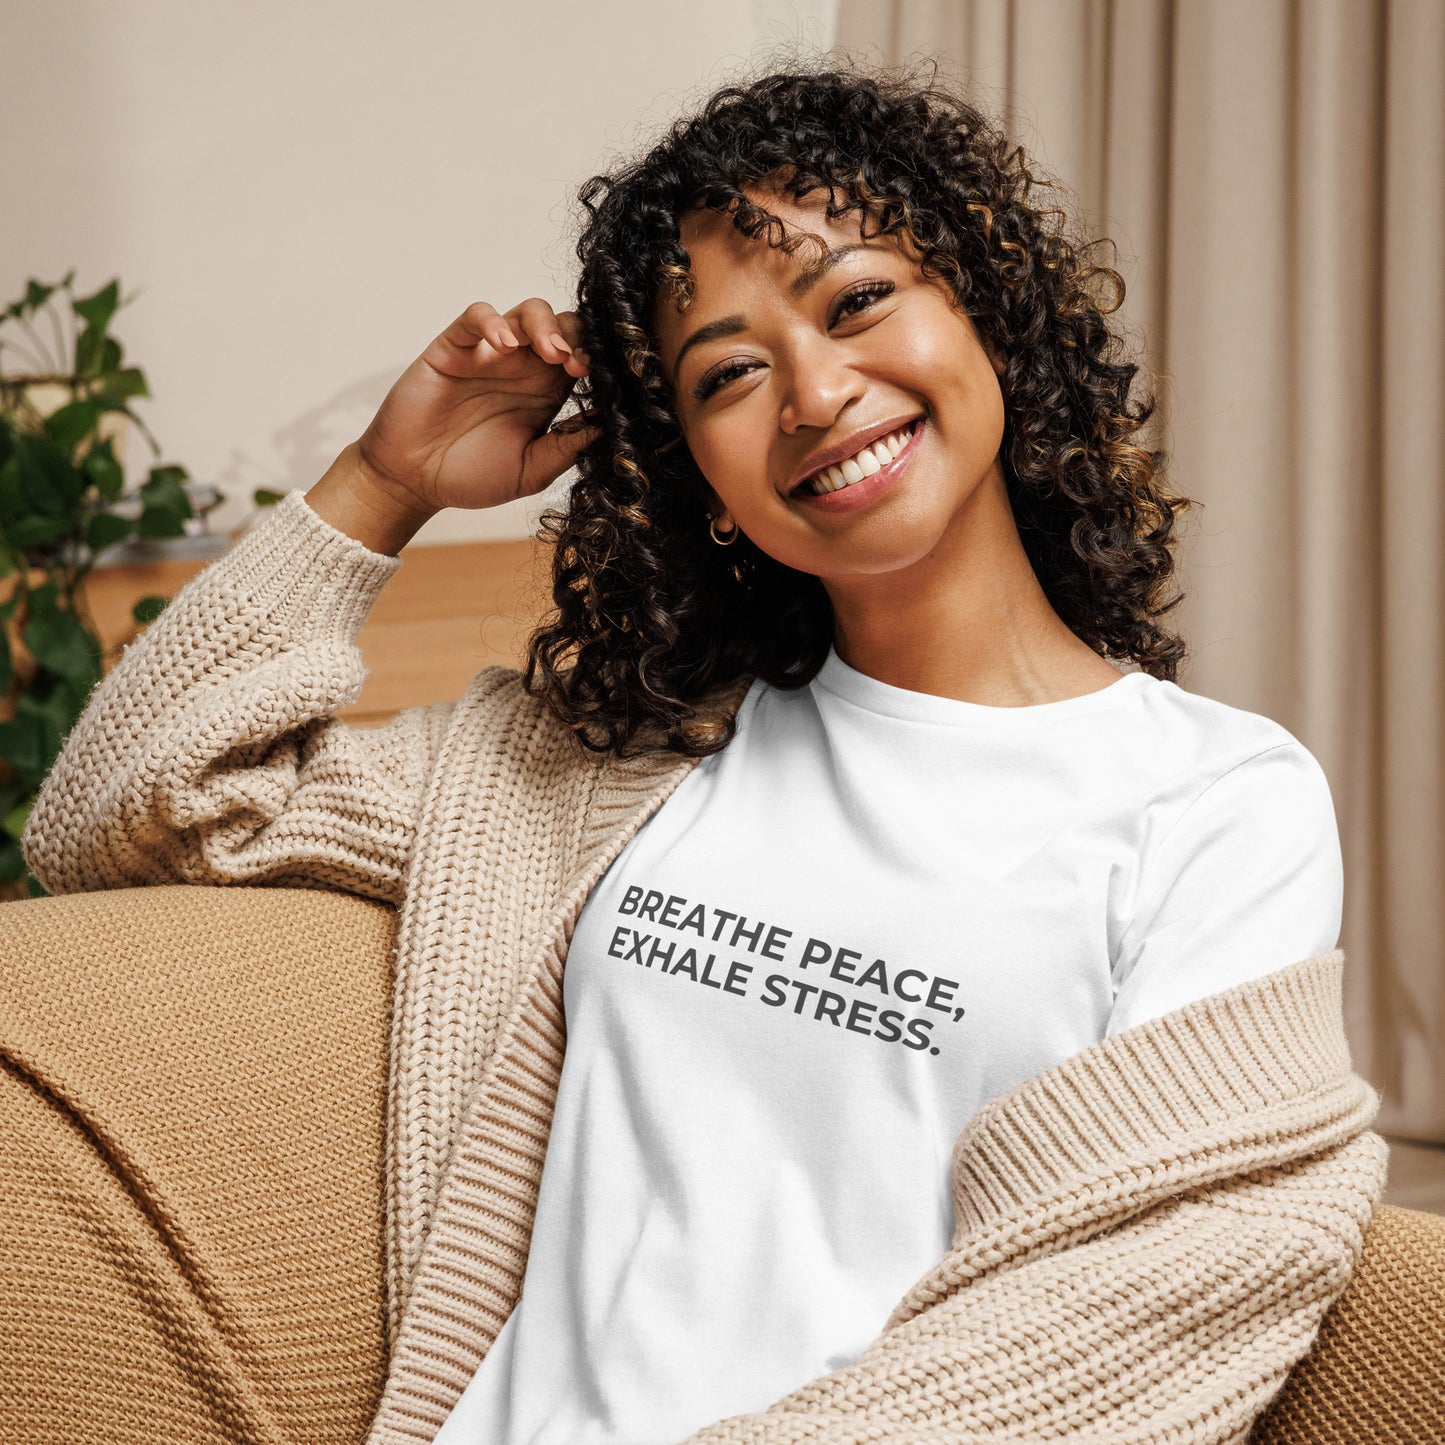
(466, 1150)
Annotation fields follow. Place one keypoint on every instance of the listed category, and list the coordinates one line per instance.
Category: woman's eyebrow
(811, 275)
(820, 268)
(713, 331)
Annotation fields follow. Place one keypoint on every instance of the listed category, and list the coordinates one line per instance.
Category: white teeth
(871, 459)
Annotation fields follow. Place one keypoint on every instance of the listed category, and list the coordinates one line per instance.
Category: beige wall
(303, 195)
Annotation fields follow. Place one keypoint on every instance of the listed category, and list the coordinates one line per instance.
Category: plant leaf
(71, 697)
(262, 497)
(148, 609)
(165, 483)
(96, 310)
(12, 795)
(51, 484)
(22, 745)
(105, 529)
(36, 295)
(130, 381)
(43, 597)
(56, 712)
(102, 468)
(167, 505)
(14, 821)
(161, 522)
(67, 426)
(12, 494)
(59, 641)
(35, 529)
(89, 352)
(7, 668)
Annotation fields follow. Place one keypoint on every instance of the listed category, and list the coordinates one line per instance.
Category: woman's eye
(716, 378)
(851, 303)
(865, 294)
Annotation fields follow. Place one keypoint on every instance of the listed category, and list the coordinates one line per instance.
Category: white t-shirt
(873, 911)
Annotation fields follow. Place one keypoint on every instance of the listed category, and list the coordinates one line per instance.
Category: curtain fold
(1273, 174)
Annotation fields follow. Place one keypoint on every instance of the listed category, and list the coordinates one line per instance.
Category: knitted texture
(207, 753)
(1148, 1237)
(1376, 1372)
(1148, 1234)
(191, 1090)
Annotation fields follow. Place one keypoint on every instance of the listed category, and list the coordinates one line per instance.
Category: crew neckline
(858, 688)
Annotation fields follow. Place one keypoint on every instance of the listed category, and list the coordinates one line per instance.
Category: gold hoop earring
(727, 539)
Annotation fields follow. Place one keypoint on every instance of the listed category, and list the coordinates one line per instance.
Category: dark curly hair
(650, 616)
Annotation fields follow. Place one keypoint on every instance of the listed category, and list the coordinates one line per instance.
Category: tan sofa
(191, 1148)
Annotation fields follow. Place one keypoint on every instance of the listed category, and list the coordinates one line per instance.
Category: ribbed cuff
(1261, 1049)
(321, 579)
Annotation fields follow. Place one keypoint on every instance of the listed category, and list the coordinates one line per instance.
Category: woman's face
(780, 366)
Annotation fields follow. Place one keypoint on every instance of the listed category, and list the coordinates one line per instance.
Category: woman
(892, 1107)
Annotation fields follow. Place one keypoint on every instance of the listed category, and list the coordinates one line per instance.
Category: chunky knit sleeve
(210, 752)
(1217, 1179)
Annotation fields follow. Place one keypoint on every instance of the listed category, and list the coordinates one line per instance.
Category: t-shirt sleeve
(1249, 879)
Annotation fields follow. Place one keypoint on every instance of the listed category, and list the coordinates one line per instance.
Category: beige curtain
(1274, 174)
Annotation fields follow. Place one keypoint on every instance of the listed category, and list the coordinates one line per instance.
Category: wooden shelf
(451, 609)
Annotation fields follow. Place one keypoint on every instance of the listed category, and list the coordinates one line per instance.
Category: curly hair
(650, 617)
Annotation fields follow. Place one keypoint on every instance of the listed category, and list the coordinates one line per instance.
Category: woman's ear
(997, 359)
(716, 509)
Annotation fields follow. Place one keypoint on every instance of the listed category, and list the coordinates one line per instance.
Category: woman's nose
(819, 382)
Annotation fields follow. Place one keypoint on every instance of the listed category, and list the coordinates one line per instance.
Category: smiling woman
(793, 392)
(826, 320)
(891, 1022)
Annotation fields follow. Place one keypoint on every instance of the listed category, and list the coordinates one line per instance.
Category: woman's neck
(968, 621)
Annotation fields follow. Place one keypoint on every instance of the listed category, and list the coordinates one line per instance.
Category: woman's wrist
(356, 500)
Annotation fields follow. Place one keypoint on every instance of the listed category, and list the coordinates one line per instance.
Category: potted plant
(64, 411)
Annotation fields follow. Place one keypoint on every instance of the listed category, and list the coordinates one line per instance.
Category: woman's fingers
(539, 322)
(482, 333)
(476, 338)
(552, 452)
(481, 321)
(548, 334)
(571, 327)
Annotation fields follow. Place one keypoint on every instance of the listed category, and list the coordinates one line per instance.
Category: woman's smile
(860, 480)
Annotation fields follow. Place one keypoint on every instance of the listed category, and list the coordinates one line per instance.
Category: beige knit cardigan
(1148, 1234)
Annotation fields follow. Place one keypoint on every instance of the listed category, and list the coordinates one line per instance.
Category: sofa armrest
(1376, 1371)
(192, 1116)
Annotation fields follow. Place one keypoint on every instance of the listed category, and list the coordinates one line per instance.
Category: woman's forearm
(356, 502)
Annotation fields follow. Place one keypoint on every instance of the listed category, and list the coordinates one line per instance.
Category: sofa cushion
(192, 1146)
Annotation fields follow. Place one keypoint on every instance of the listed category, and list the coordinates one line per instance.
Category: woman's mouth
(858, 480)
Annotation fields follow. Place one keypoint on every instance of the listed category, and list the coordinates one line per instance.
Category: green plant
(60, 481)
